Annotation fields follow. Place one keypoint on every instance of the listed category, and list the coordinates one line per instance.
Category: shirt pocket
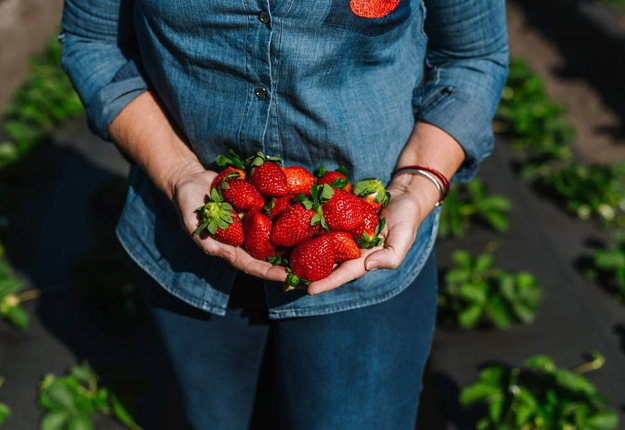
(342, 16)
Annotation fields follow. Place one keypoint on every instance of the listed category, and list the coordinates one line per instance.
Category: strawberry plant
(11, 298)
(590, 191)
(473, 202)
(44, 100)
(540, 397)
(5, 411)
(537, 125)
(71, 401)
(608, 267)
(476, 293)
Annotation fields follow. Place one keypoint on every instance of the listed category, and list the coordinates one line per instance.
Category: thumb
(397, 243)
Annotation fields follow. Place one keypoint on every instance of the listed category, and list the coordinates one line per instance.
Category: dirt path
(25, 26)
(600, 136)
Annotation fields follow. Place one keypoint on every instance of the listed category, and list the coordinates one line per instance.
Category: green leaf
(497, 220)
(18, 316)
(212, 226)
(55, 420)
(498, 312)
(223, 160)
(478, 392)
(470, 317)
(542, 363)
(495, 409)
(84, 373)
(5, 412)
(216, 196)
(609, 258)
(121, 413)
(462, 258)
(475, 292)
(492, 375)
(315, 219)
(603, 420)
(326, 192)
(483, 262)
(61, 395)
(496, 203)
(574, 382)
(80, 422)
(523, 313)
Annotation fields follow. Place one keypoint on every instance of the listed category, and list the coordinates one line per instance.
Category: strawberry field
(531, 312)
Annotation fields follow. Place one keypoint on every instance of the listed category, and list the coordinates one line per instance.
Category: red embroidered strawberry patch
(372, 8)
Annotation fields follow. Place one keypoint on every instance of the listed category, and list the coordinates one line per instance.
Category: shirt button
(263, 17)
(260, 92)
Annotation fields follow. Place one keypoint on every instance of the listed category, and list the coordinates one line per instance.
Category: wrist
(419, 188)
(176, 175)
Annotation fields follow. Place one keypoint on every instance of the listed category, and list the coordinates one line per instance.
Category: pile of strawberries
(290, 217)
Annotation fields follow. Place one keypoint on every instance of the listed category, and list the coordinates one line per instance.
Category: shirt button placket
(260, 72)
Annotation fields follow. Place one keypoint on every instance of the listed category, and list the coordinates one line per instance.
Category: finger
(241, 260)
(344, 273)
(398, 240)
(261, 269)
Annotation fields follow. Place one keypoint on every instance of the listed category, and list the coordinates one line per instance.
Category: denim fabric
(355, 370)
(340, 89)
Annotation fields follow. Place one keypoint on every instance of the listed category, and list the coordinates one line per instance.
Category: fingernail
(288, 288)
(372, 265)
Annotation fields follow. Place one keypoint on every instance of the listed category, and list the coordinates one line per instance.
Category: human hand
(412, 199)
(190, 190)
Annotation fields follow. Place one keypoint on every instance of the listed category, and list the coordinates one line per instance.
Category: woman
(371, 84)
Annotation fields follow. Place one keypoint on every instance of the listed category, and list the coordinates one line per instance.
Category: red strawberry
(257, 230)
(225, 173)
(241, 194)
(294, 226)
(367, 233)
(373, 192)
(299, 179)
(301, 220)
(345, 248)
(267, 176)
(337, 179)
(278, 205)
(221, 221)
(344, 211)
(311, 260)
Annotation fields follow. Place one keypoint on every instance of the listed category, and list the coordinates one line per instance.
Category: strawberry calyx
(275, 260)
(230, 159)
(260, 158)
(215, 215)
(294, 281)
(375, 187)
(367, 241)
(321, 170)
(320, 195)
(224, 185)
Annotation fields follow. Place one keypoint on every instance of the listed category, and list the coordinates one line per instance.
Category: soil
(575, 317)
(598, 119)
(25, 26)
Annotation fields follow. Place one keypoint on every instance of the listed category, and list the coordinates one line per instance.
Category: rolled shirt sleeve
(101, 58)
(466, 69)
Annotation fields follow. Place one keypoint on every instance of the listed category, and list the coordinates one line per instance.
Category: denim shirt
(311, 82)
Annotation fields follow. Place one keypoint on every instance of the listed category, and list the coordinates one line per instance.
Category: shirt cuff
(452, 110)
(107, 103)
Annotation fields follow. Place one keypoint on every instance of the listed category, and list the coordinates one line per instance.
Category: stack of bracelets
(437, 178)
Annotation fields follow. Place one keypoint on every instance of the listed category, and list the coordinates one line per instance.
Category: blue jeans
(357, 369)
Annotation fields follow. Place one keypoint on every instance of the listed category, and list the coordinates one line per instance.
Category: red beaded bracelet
(428, 172)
